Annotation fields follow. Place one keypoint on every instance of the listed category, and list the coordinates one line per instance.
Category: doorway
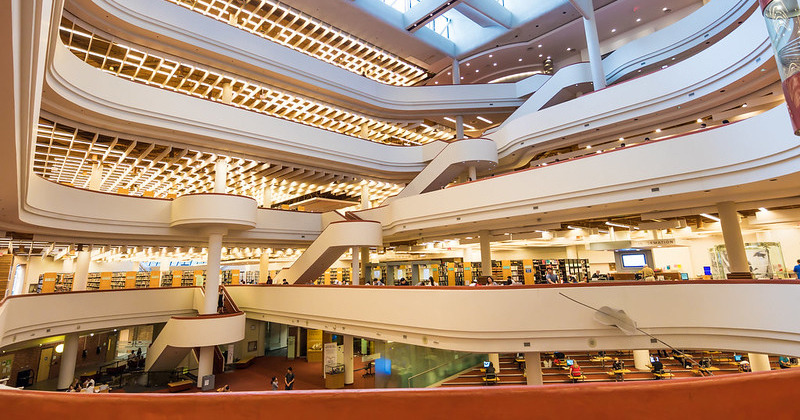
(45, 359)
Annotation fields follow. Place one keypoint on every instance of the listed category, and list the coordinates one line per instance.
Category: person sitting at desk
(658, 367)
(599, 277)
(431, 282)
(491, 374)
(378, 282)
(618, 364)
(784, 362)
(551, 277)
(648, 273)
(575, 370)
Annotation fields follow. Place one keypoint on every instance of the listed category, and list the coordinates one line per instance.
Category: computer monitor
(737, 357)
(570, 362)
(653, 359)
(486, 364)
(633, 260)
(684, 276)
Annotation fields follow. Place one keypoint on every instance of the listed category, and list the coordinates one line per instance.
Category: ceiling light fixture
(708, 216)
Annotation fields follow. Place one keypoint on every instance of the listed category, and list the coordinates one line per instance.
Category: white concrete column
(459, 127)
(96, 176)
(212, 273)
(220, 176)
(83, 257)
(227, 93)
(263, 266)
(472, 173)
(456, 72)
(732, 235)
(641, 358)
(495, 359)
(365, 275)
(66, 372)
(572, 252)
(348, 359)
(759, 362)
(355, 272)
(266, 196)
(533, 368)
(68, 265)
(365, 197)
(611, 233)
(593, 47)
(486, 253)
(205, 364)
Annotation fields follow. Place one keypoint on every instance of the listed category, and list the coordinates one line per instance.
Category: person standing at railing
(551, 277)
(797, 270)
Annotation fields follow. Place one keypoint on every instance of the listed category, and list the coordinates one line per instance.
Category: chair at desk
(368, 369)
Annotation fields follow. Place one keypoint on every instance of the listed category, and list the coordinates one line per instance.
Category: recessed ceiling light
(494, 64)
(569, 49)
(462, 77)
(540, 55)
(614, 30)
(467, 64)
(664, 9)
(435, 83)
(638, 19)
(699, 120)
(491, 55)
(487, 121)
(450, 119)
(658, 130)
(448, 73)
(744, 105)
(540, 45)
(588, 146)
(476, 70)
(519, 59)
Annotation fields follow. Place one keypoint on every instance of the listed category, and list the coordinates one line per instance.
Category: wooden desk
(619, 374)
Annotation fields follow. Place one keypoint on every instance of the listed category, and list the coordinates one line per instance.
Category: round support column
(759, 362)
(263, 267)
(212, 273)
(69, 357)
(486, 253)
(83, 257)
(495, 359)
(348, 359)
(734, 244)
(220, 176)
(205, 364)
(593, 48)
(533, 368)
(641, 358)
(355, 272)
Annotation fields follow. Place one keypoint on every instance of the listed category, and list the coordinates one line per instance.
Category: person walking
(289, 380)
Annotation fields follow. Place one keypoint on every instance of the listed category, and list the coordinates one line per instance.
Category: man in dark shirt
(289, 380)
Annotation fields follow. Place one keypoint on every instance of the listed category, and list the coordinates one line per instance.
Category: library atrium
(407, 207)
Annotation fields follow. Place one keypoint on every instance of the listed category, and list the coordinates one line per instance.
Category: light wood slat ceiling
(282, 24)
(133, 63)
(65, 154)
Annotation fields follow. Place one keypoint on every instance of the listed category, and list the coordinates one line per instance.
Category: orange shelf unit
(105, 280)
(130, 280)
(49, 282)
(176, 278)
(155, 279)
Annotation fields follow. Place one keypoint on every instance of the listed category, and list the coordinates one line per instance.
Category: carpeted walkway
(307, 375)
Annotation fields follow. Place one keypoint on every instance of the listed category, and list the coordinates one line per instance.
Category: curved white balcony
(161, 25)
(233, 212)
(24, 317)
(182, 334)
(538, 318)
(702, 168)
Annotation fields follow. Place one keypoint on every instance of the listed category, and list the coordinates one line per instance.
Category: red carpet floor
(307, 375)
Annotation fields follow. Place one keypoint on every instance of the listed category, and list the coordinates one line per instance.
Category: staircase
(509, 374)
